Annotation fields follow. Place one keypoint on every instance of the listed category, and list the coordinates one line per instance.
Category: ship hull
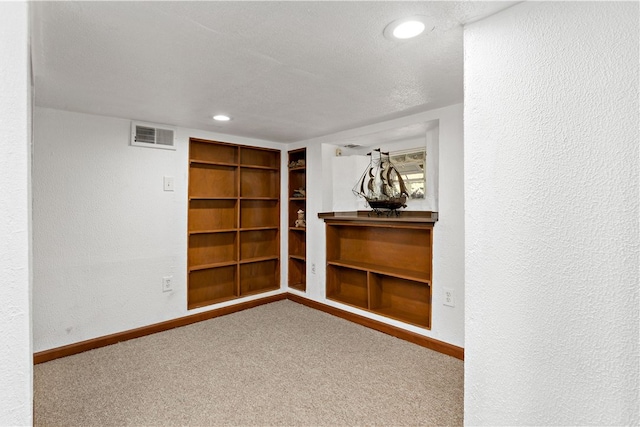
(389, 204)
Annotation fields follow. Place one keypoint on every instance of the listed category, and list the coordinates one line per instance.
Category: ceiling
(284, 71)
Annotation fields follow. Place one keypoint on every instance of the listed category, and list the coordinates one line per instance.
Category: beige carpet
(277, 364)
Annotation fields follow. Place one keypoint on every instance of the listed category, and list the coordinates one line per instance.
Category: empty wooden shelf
(233, 221)
(381, 264)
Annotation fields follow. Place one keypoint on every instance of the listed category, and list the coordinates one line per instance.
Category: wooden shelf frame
(211, 198)
(212, 231)
(266, 168)
(382, 265)
(208, 162)
(233, 221)
(416, 276)
(297, 235)
(211, 265)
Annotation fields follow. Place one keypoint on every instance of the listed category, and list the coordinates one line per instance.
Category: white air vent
(153, 136)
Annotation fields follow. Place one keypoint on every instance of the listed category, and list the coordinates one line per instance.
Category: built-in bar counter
(381, 263)
(427, 217)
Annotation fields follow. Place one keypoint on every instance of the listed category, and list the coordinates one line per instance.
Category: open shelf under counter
(382, 264)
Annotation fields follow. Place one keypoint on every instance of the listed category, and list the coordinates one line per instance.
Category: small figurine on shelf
(300, 222)
(299, 193)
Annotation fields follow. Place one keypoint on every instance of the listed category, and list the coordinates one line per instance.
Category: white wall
(448, 250)
(346, 170)
(105, 232)
(551, 196)
(16, 362)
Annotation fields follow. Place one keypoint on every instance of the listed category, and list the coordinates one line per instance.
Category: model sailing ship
(381, 185)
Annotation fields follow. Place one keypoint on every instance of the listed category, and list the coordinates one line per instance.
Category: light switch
(168, 183)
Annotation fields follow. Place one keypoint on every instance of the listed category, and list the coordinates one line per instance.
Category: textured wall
(551, 196)
(15, 327)
(104, 231)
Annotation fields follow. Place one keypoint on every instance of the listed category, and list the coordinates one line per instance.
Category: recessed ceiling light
(406, 28)
(221, 118)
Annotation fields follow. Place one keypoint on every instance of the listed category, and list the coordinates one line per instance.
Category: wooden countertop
(370, 216)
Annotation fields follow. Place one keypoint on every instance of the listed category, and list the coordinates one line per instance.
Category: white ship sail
(381, 185)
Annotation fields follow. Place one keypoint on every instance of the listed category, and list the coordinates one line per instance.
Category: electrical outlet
(168, 183)
(313, 269)
(449, 297)
(167, 284)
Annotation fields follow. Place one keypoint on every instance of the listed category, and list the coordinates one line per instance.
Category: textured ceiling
(285, 71)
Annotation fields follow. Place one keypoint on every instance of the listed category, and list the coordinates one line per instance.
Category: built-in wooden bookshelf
(297, 234)
(381, 264)
(233, 221)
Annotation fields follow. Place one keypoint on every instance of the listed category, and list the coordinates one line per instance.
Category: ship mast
(381, 185)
